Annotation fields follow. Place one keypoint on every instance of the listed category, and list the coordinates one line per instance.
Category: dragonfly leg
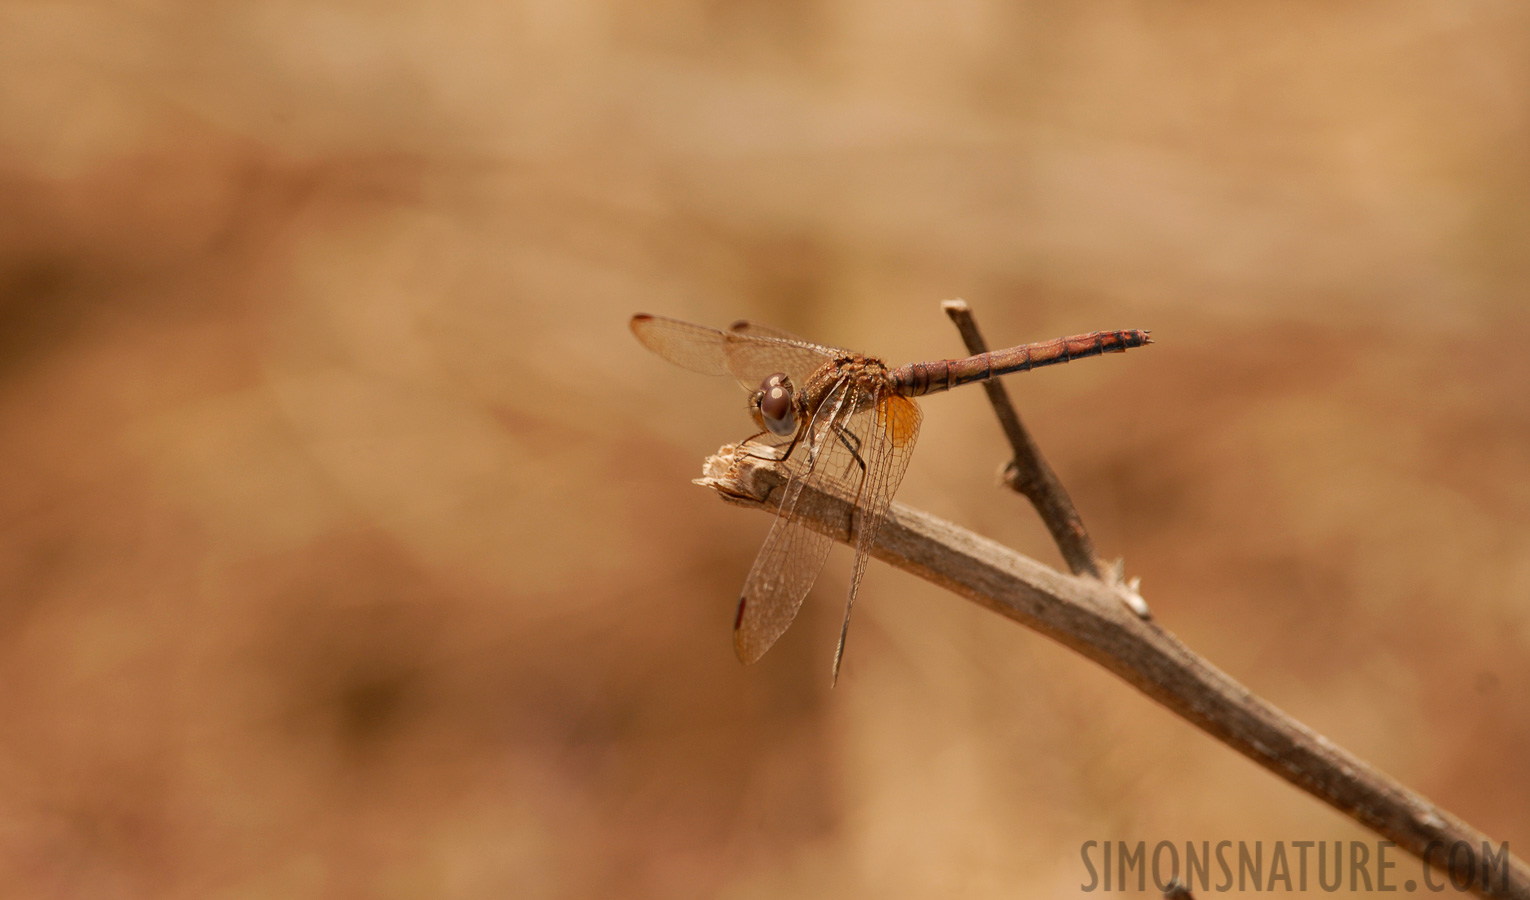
(853, 444)
(743, 447)
(785, 454)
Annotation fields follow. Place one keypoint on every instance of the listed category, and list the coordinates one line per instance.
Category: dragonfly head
(774, 406)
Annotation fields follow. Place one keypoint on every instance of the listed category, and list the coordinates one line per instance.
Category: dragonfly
(843, 423)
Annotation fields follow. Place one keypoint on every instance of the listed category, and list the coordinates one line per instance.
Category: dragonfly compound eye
(776, 405)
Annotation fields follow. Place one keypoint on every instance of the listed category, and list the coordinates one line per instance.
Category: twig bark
(1028, 472)
(1086, 615)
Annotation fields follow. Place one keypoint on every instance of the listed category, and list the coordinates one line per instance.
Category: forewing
(886, 433)
(750, 358)
(695, 347)
(793, 553)
(756, 329)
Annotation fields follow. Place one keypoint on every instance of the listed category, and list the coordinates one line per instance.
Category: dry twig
(1086, 615)
(1028, 472)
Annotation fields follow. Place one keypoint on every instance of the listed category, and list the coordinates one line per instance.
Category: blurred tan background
(349, 549)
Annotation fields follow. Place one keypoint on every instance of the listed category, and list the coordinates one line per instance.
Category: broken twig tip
(724, 473)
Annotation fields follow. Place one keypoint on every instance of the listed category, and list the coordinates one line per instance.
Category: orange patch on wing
(902, 419)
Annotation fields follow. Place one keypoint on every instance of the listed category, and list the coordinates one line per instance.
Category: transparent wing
(885, 433)
(745, 326)
(747, 357)
(793, 553)
(695, 347)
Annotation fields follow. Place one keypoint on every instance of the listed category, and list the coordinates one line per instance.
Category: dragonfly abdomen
(918, 379)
